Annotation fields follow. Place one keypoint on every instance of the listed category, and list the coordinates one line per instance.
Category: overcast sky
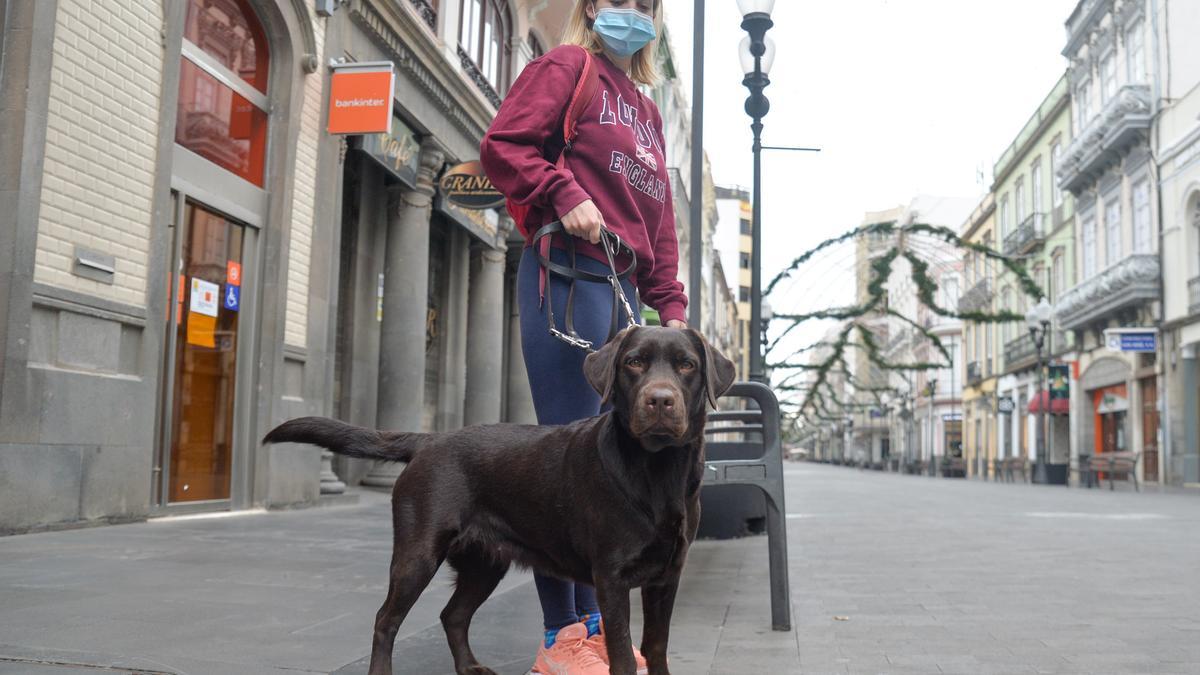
(903, 97)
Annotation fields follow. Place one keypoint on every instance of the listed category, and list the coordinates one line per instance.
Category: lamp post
(756, 53)
(1037, 320)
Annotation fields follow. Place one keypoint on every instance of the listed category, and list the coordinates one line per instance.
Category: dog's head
(658, 381)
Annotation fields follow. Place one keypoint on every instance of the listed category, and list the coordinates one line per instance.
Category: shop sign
(1005, 405)
(1111, 403)
(397, 150)
(1131, 339)
(467, 186)
(484, 225)
(1060, 384)
(360, 98)
(952, 417)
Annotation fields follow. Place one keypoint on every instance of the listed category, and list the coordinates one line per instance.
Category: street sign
(1131, 339)
(1005, 405)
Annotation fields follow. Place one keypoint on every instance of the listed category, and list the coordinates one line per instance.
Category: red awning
(1058, 406)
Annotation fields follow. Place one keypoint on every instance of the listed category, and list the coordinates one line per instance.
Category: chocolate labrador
(612, 500)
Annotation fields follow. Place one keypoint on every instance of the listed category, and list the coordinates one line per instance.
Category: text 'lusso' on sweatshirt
(617, 161)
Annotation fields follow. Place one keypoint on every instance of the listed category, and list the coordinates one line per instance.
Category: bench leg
(781, 615)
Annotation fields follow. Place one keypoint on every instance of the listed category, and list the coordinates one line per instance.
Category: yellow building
(982, 359)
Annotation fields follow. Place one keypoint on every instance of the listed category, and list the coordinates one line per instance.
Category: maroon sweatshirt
(617, 161)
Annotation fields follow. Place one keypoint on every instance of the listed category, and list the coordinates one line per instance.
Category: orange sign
(233, 273)
(360, 98)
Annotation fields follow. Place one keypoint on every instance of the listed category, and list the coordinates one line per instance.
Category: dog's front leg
(613, 597)
(658, 601)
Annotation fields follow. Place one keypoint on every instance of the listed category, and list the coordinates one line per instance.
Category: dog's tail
(346, 439)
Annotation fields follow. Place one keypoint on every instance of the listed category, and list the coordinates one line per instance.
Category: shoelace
(588, 657)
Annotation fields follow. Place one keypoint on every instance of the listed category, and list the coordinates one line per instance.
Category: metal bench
(1111, 464)
(1014, 465)
(759, 430)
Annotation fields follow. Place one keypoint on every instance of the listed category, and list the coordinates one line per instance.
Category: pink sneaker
(571, 655)
(597, 643)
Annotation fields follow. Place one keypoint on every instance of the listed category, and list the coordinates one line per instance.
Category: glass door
(202, 356)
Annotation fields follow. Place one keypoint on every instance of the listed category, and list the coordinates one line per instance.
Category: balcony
(1123, 122)
(1019, 353)
(1194, 296)
(978, 298)
(1131, 282)
(1029, 235)
(974, 373)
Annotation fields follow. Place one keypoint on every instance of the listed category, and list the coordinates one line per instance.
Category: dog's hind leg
(477, 578)
(413, 565)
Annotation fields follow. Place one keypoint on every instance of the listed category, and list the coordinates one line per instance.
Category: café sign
(468, 187)
(398, 150)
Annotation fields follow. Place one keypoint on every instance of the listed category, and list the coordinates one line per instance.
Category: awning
(1058, 406)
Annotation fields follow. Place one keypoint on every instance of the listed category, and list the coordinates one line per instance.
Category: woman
(615, 175)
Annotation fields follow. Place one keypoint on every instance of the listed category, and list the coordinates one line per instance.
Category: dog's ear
(719, 371)
(600, 367)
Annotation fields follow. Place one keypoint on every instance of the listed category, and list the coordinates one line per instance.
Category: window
(1020, 206)
(1005, 227)
(1035, 184)
(535, 46)
(484, 31)
(1058, 279)
(1141, 217)
(743, 294)
(1089, 246)
(222, 109)
(1108, 76)
(987, 347)
(950, 292)
(979, 329)
(745, 260)
(1055, 153)
(746, 226)
(1135, 53)
(1083, 104)
(1112, 235)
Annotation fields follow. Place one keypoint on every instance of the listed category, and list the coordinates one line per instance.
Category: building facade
(980, 355)
(1109, 169)
(1176, 142)
(188, 257)
(1035, 221)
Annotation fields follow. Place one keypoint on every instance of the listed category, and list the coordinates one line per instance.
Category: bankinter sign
(466, 185)
(360, 98)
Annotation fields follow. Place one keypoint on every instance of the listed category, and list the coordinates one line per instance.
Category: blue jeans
(561, 394)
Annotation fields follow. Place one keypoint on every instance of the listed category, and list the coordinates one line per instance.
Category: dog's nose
(660, 399)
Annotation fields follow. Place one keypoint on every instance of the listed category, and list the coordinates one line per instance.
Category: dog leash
(613, 246)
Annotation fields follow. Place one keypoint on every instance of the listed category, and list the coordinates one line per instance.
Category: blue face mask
(624, 31)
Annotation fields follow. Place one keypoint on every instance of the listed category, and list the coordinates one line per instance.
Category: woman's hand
(584, 221)
(676, 323)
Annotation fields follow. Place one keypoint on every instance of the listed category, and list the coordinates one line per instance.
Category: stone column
(518, 395)
(485, 336)
(405, 299)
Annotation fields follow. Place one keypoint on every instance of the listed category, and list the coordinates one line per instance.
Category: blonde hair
(643, 67)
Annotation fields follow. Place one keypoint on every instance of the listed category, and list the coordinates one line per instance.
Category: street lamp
(1037, 320)
(756, 53)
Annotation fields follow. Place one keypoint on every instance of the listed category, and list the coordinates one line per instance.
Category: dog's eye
(687, 366)
(635, 362)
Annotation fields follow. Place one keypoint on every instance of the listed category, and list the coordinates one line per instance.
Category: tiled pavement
(890, 574)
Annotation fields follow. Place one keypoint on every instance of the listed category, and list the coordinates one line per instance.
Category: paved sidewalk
(297, 591)
(890, 574)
